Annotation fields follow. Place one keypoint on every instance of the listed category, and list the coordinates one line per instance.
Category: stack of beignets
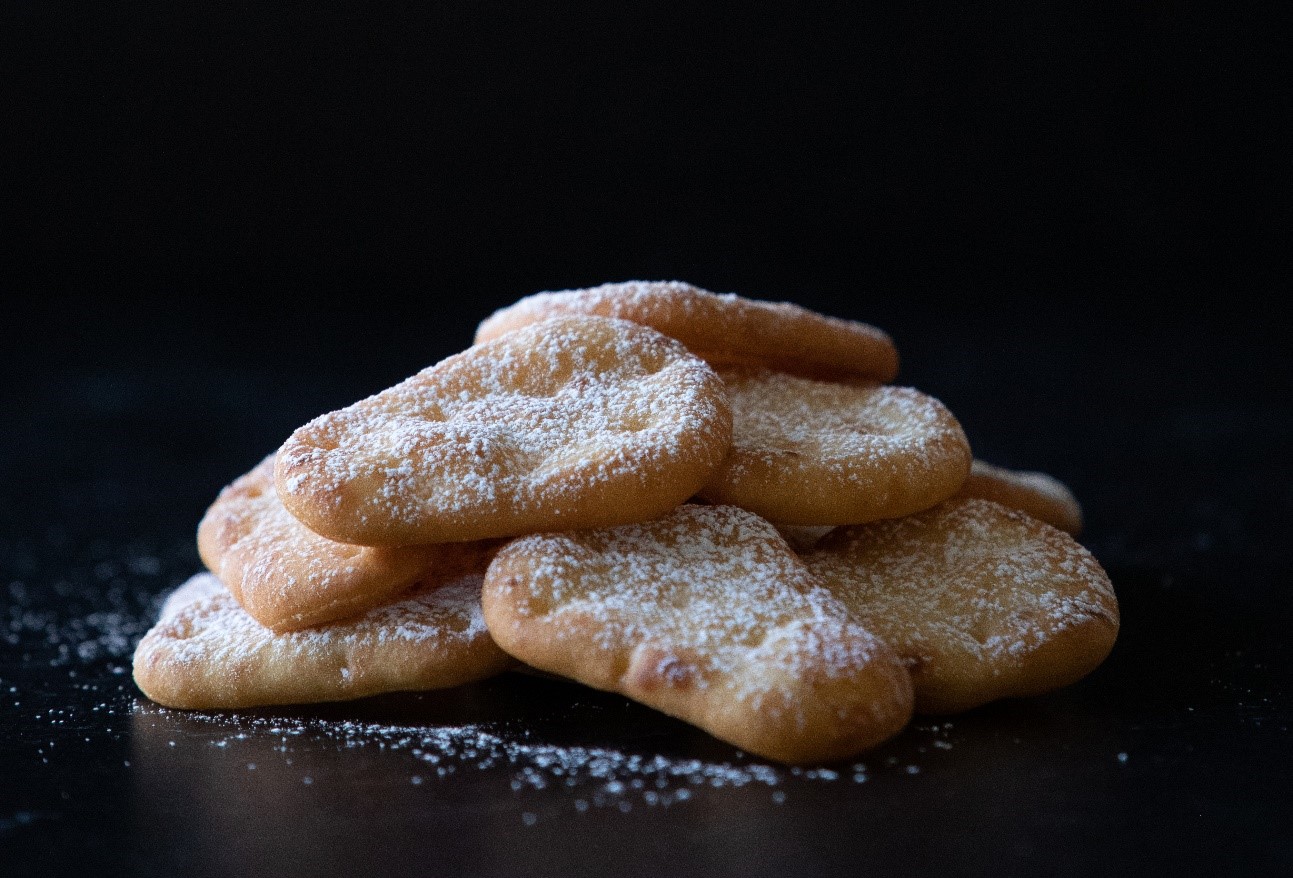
(716, 506)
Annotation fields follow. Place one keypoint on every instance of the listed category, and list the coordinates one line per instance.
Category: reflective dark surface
(227, 219)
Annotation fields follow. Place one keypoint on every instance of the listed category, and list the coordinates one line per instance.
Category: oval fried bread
(809, 452)
(1043, 497)
(705, 614)
(285, 575)
(205, 652)
(981, 601)
(570, 423)
(722, 329)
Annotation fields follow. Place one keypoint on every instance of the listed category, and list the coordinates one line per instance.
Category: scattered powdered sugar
(90, 696)
(77, 640)
(107, 630)
(585, 777)
(600, 775)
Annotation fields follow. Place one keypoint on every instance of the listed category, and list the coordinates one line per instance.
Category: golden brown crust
(1043, 497)
(722, 329)
(983, 602)
(809, 452)
(707, 615)
(205, 652)
(285, 575)
(573, 422)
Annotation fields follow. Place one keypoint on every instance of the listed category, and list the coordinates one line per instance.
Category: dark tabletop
(232, 224)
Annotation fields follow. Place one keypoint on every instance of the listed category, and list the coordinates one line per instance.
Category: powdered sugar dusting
(219, 627)
(707, 614)
(815, 452)
(840, 427)
(284, 574)
(628, 300)
(540, 427)
(206, 650)
(715, 582)
(969, 581)
(722, 328)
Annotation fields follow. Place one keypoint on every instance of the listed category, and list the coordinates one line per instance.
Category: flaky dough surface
(809, 452)
(285, 575)
(983, 602)
(722, 329)
(705, 614)
(572, 422)
(205, 652)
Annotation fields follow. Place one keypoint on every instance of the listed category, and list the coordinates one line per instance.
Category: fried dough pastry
(285, 575)
(1043, 497)
(722, 329)
(810, 452)
(571, 423)
(981, 601)
(205, 652)
(705, 614)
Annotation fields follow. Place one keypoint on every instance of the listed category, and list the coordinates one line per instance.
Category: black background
(310, 176)
(225, 220)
